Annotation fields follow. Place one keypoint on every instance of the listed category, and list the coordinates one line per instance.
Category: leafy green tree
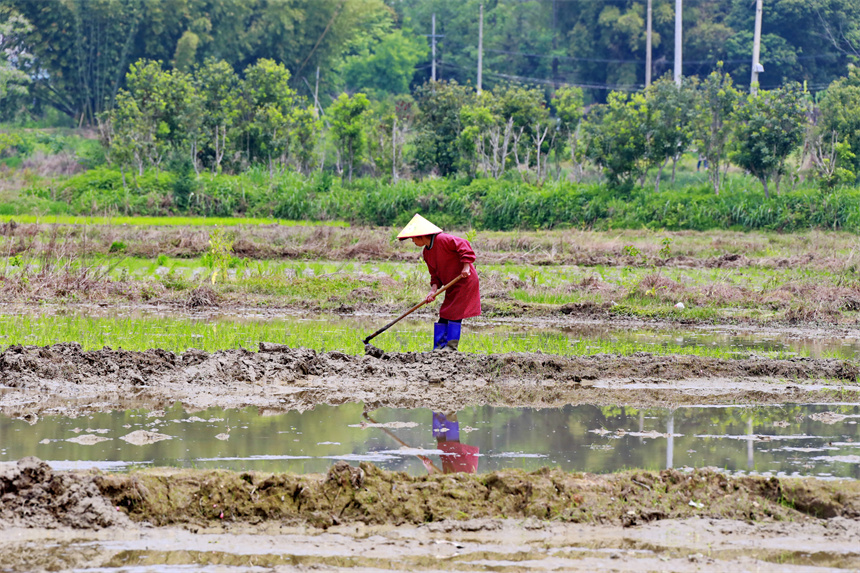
(616, 138)
(390, 126)
(769, 126)
(305, 124)
(840, 114)
(223, 106)
(672, 111)
(270, 101)
(526, 109)
(14, 58)
(717, 100)
(386, 67)
(347, 116)
(485, 140)
(569, 109)
(81, 51)
(438, 125)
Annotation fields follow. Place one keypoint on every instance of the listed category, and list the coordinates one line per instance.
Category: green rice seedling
(141, 332)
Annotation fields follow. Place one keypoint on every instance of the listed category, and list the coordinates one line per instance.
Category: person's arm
(466, 255)
(432, 296)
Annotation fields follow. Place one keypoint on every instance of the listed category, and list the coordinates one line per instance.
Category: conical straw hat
(418, 227)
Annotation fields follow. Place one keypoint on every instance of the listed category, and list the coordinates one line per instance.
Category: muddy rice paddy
(662, 462)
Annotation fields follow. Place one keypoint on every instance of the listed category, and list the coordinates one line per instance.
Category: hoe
(371, 350)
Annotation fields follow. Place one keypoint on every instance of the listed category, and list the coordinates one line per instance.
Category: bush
(490, 204)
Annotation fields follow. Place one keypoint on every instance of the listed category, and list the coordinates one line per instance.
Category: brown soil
(64, 379)
(363, 518)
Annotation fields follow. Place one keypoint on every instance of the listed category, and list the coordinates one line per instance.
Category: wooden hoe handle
(410, 311)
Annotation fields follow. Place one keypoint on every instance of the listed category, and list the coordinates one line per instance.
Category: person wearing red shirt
(447, 257)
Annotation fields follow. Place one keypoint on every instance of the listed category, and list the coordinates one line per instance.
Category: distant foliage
(482, 204)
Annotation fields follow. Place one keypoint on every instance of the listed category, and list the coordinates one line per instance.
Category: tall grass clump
(490, 204)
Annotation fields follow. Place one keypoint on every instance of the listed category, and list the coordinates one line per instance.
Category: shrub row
(451, 203)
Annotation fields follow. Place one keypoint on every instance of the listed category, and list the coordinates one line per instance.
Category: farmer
(447, 257)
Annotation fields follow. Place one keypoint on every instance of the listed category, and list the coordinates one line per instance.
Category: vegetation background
(325, 110)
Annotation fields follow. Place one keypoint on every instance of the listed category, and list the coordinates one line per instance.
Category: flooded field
(791, 440)
(691, 407)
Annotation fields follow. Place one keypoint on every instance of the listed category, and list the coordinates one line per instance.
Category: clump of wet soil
(32, 495)
(64, 378)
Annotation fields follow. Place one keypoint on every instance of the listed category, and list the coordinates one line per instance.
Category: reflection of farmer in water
(447, 257)
(456, 457)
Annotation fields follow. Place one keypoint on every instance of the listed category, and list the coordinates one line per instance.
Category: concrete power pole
(678, 35)
(433, 55)
(480, 48)
(756, 65)
(648, 48)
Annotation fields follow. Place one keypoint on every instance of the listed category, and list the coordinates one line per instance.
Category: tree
(81, 51)
(485, 141)
(671, 114)
(769, 126)
(568, 103)
(840, 113)
(347, 125)
(13, 56)
(305, 127)
(269, 104)
(717, 99)
(438, 125)
(386, 67)
(222, 103)
(616, 138)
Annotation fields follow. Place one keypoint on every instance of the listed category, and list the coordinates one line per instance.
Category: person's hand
(466, 271)
(430, 297)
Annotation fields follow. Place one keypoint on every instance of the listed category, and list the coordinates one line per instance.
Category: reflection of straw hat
(418, 227)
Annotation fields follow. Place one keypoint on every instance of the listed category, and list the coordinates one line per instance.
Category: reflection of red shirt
(445, 261)
(458, 457)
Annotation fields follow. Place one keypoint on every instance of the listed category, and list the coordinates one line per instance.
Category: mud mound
(32, 495)
(367, 494)
(64, 378)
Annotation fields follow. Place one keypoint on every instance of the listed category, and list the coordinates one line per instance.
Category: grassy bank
(483, 204)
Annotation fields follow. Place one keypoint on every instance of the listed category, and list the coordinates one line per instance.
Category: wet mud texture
(64, 379)
(32, 495)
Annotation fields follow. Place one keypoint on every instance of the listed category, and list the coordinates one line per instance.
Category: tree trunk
(660, 174)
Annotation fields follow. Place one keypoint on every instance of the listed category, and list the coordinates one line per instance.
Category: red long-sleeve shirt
(445, 259)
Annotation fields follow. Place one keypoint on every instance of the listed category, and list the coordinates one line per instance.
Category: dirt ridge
(63, 378)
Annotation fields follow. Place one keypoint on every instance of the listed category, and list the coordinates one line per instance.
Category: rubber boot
(453, 334)
(440, 335)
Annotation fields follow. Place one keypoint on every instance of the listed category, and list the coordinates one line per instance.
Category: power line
(686, 62)
(525, 79)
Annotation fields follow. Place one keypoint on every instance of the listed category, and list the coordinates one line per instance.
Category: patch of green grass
(142, 332)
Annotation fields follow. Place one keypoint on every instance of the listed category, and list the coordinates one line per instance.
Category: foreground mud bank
(64, 379)
(32, 495)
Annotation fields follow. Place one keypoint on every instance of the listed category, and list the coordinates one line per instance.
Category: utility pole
(678, 35)
(756, 65)
(433, 53)
(648, 47)
(480, 47)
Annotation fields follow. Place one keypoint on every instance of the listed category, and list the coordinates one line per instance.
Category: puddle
(792, 440)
